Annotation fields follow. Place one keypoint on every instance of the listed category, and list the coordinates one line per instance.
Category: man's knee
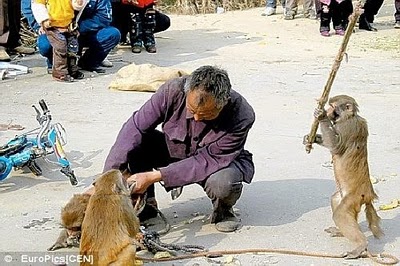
(109, 37)
(224, 183)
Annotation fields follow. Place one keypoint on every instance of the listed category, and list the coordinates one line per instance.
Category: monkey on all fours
(110, 225)
(345, 134)
(71, 220)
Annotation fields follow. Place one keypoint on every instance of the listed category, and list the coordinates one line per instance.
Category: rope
(384, 259)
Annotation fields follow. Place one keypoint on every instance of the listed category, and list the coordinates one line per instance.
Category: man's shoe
(269, 11)
(365, 25)
(3, 54)
(225, 220)
(23, 50)
(107, 63)
(288, 16)
(397, 25)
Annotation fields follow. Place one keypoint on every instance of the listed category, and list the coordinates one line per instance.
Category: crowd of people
(337, 11)
(80, 35)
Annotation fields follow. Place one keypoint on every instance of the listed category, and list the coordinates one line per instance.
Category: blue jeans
(99, 44)
(45, 49)
(272, 3)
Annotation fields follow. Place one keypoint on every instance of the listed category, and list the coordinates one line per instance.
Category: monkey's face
(333, 112)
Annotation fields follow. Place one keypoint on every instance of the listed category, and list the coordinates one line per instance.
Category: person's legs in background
(163, 22)
(98, 44)
(371, 8)
(397, 14)
(270, 8)
(46, 50)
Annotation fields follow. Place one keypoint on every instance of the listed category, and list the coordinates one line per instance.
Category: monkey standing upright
(345, 134)
(110, 224)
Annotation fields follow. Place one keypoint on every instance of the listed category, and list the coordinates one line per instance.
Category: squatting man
(204, 130)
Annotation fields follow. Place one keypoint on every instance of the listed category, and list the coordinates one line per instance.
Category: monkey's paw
(320, 114)
(333, 231)
(57, 245)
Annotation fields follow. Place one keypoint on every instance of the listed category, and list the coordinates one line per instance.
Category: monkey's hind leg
(373, 220)
(345, 218)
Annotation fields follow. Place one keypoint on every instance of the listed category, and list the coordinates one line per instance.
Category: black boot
(148, 30)
(136, 32)
(364, 24)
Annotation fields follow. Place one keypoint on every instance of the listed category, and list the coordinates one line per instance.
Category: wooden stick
(339, 57)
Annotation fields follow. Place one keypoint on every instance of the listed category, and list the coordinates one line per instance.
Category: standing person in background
(291, 9)
(58, 25)
(397, 14)
(270, 8)
(141, 20)
(371, 8)
(338, 11)
(10, 23)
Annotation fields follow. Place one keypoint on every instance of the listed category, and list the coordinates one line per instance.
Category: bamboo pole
(339, 57)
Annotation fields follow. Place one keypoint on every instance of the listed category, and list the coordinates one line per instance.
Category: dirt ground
(281, 67)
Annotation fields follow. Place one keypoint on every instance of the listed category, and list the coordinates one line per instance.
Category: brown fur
(110, 224)
(71, 219)
(345, 134)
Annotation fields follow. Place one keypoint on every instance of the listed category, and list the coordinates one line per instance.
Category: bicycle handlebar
(43, 105)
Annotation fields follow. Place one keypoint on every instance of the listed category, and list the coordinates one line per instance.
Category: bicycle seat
(11, 149)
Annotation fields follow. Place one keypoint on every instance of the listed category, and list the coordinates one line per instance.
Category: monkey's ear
(117, 188)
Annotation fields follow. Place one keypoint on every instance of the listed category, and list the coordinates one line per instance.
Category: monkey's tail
(373, 220)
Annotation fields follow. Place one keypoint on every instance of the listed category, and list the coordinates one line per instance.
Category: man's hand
(144, 180)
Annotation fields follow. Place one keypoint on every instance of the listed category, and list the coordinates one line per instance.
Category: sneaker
(289, 15)
(310, 14)
(49, 70)
(23, 50)
(136, 49)
(4, 55)
(106, 63)
(325, 33)
(397, 25)
(269, 11)
(339, 32)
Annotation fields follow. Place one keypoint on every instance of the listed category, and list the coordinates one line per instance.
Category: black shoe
(365, 25)
(78, 75)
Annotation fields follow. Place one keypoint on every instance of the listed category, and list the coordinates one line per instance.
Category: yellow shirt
(60, 12)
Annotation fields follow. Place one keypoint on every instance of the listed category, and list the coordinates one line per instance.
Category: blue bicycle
(24, 149)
